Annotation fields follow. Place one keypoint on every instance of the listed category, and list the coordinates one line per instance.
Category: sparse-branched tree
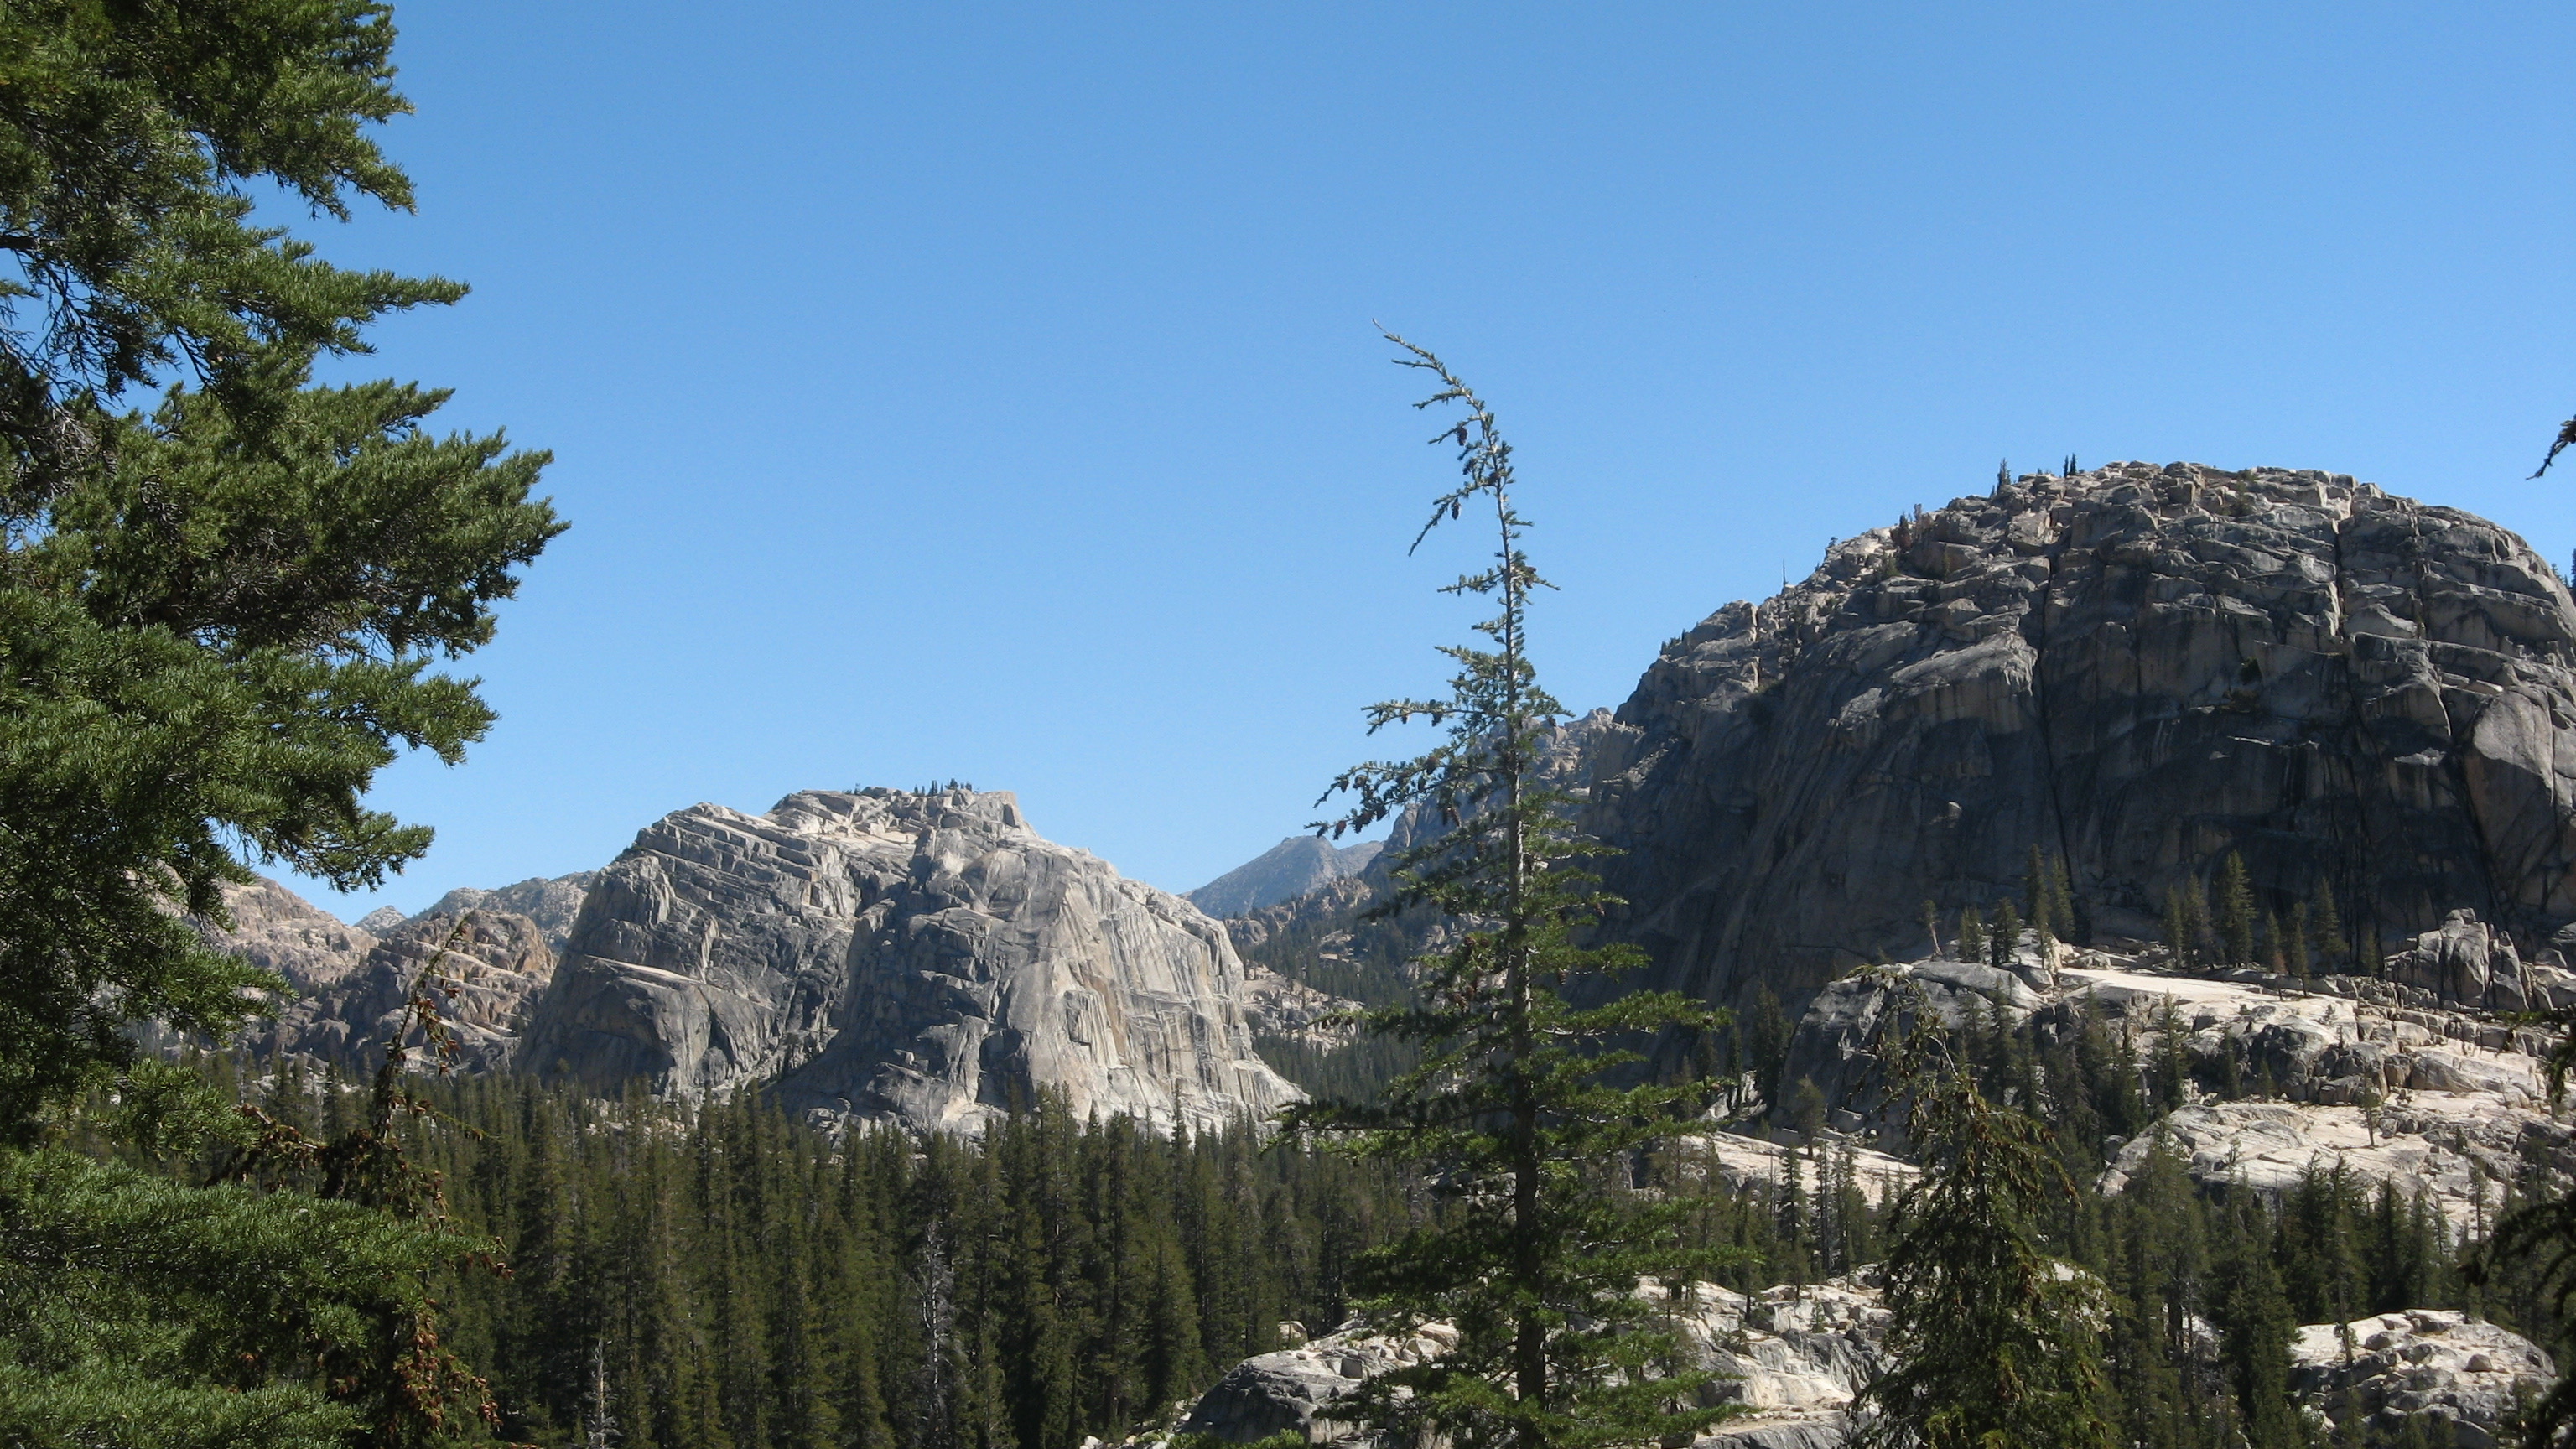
(1525, 1109)
(2006, 938)
(1972, 934)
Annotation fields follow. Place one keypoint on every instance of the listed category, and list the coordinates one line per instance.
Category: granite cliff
(488, 965)
(888, 955)
(2139, 668)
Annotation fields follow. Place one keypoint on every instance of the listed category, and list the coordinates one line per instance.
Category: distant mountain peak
(1293, 867)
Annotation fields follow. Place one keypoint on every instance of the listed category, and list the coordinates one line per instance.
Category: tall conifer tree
(1520, 1107)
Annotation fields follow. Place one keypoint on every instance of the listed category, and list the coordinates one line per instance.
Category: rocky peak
(277, 930)
(1292, 868)
(2139, 668)
(894, 955)
(487, 966)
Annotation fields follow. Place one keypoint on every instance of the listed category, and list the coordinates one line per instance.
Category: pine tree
(2045, 927)
(219, 619)
(2061, 897)
(2332, 949)
(1539, 1251)
(2178, 927)
(1991, 1340)
(1972, 935)
(2296, 942)
(2235, 910)
(2538, 1240)
(2006, 936)
(2256, 1326)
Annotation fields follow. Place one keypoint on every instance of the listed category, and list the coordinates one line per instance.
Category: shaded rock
(891, 956)
(2141, 668)
(488, 966)
(1285, 871)
(277, 930)
(2433, 1364)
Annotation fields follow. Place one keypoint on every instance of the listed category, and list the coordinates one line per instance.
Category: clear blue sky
(989, 392)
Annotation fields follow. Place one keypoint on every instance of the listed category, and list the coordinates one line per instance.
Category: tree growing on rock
(1524, 1110)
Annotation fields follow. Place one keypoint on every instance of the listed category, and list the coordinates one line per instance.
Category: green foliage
(2534, 1248)
(1994, 1341)
(2235, 910)
(147, 1312)
(219, 616)
(219, 619)
(1972, 935)
(747, 1280)
(2005, 936)
(1526, 1110)
(2332, 950)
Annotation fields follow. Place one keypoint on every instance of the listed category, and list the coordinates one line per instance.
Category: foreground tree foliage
(1516, 1108)
(219, 617)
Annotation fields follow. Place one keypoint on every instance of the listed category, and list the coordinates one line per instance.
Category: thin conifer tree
(2235, 910)
(1972, 935)
(1526, 1109)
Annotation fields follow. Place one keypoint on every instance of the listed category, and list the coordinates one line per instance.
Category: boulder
(2433, 1364)
(1792, 1356)
(886, 955)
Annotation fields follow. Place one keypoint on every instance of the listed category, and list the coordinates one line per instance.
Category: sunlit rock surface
(892, 956)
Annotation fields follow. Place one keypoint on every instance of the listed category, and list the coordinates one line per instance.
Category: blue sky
(989, 392)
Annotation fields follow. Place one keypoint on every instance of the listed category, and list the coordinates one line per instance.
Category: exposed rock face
(552, 903)
(2141, 668)
(278, 930)
(2432, 1364)
(1296, 1388)
(1282, 873)
(1794, 1357)
(490, 964)
(893, 956)
(2445, 1101)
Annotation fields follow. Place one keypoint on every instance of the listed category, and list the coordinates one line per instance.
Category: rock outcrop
(277, 930)
(554, 903)
(489, 965)
(1793, 1357)
(2445, 1101)
(2440, 1366)
(2139, 668)
(1284, 872)
(891, 956)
